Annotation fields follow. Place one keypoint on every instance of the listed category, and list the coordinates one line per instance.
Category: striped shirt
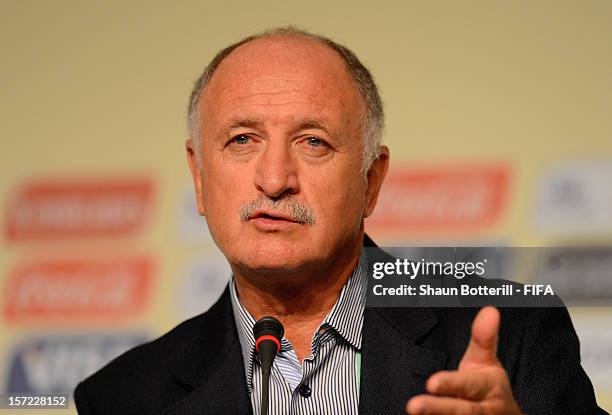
(327, 382)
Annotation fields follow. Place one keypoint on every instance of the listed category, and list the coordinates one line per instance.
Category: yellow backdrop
(503, 105)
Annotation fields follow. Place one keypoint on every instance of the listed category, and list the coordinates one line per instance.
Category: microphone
(268, 333)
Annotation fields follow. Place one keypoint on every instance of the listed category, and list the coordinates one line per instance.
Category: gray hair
(373, 123)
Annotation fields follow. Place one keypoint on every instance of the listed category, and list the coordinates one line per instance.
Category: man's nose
(276, 172)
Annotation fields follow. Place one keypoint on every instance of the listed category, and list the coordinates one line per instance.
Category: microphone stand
(268, 332)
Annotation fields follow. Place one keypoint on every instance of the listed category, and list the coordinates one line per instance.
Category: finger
(441, 405)
(483, 342)
(470, 385)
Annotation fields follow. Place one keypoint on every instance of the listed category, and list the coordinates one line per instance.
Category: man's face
(280, 184)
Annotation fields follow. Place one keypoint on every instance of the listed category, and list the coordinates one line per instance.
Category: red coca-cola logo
(78, 291)
(441, 199)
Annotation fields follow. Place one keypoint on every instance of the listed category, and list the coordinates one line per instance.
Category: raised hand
(479, 386)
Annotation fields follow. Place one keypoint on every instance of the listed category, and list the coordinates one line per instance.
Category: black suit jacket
(197, 368)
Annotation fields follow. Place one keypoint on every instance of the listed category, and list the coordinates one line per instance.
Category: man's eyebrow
(246, 123)
(312, 124)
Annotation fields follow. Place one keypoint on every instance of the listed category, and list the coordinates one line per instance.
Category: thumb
(482, 349)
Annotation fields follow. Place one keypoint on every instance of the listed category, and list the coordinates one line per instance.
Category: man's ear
(195, 174)
(376, 176)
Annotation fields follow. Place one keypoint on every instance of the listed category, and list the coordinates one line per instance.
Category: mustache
(297, 211)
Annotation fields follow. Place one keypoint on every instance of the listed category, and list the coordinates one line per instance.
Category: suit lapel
(396, 362)
(394, 366)
(211, 372)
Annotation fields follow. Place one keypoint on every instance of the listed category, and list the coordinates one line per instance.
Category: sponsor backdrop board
(497, 119)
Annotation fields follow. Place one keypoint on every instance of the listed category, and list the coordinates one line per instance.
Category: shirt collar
(345, 317)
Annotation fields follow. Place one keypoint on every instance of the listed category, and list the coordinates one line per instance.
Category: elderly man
(286, 160)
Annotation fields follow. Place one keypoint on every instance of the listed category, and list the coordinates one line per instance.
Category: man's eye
(314, 146)
(314, 142)
(241, 139)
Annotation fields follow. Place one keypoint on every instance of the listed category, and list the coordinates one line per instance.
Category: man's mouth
(277, 212)
(270, 215)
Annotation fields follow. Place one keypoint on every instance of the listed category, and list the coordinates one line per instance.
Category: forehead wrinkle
(280, 104)
(263, 77)
(254, 87)
(230, 88)
(264, 94)
(292, 97)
